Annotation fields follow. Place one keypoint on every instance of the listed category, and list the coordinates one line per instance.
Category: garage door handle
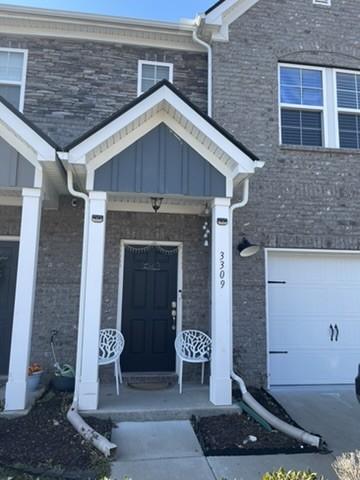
(332, 333)
(278, 352)
(336, 333)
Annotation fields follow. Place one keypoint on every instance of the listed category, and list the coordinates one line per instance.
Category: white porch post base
(88, 395)
(16, 387)
(16, 395)
(89, 381)
(220, 379)
(220, 390)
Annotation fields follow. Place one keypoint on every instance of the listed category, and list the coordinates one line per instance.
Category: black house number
(222, 269)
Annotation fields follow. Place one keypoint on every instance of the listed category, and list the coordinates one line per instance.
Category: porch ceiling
(141, 203)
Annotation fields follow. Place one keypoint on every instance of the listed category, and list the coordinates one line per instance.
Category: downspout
(247, 398)
(99, 442)
(210, 62)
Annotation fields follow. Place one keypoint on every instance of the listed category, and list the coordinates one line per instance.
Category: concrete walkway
(332, 412)
(170, 451)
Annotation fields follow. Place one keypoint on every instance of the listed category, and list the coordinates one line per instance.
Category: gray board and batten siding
(15, 170)
(160, 163)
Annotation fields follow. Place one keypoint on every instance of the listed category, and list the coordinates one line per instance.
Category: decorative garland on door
(146, 248)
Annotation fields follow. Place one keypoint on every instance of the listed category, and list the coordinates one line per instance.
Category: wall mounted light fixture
(247, 249)
(156, 203)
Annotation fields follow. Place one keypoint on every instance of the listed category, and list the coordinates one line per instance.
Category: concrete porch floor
(150, 405)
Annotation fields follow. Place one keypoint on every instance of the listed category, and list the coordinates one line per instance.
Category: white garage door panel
(312, 367)
(296, 333)
(313, 291)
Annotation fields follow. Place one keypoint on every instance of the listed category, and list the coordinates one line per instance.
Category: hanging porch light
(156, 203)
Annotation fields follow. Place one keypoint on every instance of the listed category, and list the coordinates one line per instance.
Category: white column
(89, 381)
(220, 380)
(16, 387)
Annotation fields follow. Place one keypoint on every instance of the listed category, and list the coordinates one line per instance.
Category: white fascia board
(225, 14)
(24, 132)
(78, 154)
(63, 24)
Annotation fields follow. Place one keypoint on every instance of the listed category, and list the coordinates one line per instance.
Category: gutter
(210, 61)
(97, 440)
(247, 398)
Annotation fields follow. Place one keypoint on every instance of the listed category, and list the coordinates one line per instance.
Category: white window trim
(355, 111)
(330, 109)
(148, 62)
(311, 108)
(22, 82)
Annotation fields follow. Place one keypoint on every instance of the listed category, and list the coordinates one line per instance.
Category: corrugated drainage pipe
(97, 440)
(294, 432)
(275, 422)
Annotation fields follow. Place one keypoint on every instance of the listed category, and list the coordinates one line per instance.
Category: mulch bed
(44, 443)
(228, 435)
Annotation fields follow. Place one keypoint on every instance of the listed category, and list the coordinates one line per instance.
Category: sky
(167, 10)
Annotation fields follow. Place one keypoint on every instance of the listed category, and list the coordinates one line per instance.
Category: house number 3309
(222, 269)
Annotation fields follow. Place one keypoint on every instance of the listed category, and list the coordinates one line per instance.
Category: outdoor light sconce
(156, 203)
(247, 249)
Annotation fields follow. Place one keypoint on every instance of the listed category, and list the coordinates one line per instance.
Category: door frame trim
(179, 245)
(266, 258)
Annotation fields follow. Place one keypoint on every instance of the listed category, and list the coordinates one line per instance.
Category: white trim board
(179, 245)
(224, 15)
(41, 22)
(9, 238)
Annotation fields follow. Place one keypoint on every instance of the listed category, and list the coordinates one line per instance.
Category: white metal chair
(192, 346)
(111, 346)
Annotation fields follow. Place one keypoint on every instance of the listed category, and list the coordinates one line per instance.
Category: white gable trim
(23, 138)
(224, 15)
(163, 105)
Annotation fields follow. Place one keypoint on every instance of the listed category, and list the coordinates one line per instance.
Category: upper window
(319, 106)
(301, 101)
(348, 104)
(151, 73)
(12, 76)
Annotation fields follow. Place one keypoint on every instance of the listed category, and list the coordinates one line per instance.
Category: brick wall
(303, 197)
(58, 285)
(73, 85)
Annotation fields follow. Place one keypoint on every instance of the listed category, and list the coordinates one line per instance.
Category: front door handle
(336, 333)
(331, 333)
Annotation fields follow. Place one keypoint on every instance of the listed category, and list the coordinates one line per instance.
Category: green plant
(282, 474)
(347, 466)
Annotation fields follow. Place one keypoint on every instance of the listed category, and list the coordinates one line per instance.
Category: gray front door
(8, 268)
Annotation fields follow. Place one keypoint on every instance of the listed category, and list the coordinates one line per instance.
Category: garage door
(314, 318)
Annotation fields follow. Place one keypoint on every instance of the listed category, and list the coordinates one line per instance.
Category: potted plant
(34, 376)
(64, 378)
(64, 375)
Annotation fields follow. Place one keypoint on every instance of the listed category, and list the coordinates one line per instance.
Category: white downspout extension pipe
(274, 421)
(99, 442)
(210, 62)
